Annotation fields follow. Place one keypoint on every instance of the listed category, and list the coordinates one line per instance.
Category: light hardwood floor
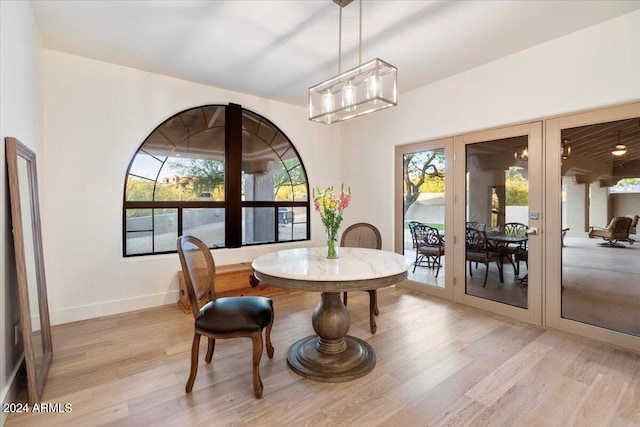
(438, 364)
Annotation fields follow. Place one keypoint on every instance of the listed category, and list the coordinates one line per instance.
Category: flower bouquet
(330, 207)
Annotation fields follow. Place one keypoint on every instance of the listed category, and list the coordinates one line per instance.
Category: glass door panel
(497, 220)
(592, 270)
(424, 214)
(425, 207)
(600, 201)
(498, 250)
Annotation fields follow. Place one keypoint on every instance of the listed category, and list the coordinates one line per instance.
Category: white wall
(20, 117)
(96, 115)
(626, 204)
(595, 67)
(599, 205)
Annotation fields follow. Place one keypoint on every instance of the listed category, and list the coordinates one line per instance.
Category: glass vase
(332, 243)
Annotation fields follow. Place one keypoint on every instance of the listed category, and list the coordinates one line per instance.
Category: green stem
(332, 243)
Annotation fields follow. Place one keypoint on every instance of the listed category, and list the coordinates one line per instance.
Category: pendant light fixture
(369, 87)
(565, 152)
(620, 149)
(521, 154)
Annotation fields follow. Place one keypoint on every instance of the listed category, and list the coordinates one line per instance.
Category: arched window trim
(233, 203)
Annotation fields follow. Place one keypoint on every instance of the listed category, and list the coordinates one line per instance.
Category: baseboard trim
(107, 308)
(10, 390)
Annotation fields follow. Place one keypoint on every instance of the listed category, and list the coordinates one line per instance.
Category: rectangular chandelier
(369, 87)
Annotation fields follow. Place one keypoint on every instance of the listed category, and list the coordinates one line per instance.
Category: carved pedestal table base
(331, 355)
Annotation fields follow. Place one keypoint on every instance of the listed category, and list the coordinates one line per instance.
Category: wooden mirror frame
(37, 364)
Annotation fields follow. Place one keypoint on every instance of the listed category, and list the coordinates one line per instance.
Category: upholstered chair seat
(221, 318)
(234, 314)
(617, 231)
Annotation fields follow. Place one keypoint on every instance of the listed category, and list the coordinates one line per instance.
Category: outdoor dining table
(331, 355)
(502, 240)
(498, 237)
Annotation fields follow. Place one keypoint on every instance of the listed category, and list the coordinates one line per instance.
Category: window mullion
(233, 177)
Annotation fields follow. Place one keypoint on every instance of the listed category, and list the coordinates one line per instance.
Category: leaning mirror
(27, 241)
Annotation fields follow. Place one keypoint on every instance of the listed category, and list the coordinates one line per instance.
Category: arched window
(218, 172)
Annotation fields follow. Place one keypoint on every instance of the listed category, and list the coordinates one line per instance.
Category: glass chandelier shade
(369, 87)
(620, 149)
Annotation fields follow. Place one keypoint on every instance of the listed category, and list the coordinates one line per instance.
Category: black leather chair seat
(234, 314)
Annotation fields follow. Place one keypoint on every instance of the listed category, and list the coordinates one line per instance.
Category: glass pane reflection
(271, 169)
(424, 215)
(600, 263)
(258, 225)
(497, 220)
(205, 224)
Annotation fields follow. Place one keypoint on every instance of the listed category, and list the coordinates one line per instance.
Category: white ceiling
(277, 49)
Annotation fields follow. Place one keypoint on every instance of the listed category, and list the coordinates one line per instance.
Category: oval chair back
(364, 235)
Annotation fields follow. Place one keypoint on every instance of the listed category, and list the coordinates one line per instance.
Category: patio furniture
(476, 225)
(429, 245)
(517, 230)
(479, 250)
(617, 231)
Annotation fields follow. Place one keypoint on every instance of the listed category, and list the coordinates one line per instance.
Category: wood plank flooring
(439, 364)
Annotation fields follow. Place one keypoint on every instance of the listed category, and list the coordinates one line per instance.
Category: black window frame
(233, 204)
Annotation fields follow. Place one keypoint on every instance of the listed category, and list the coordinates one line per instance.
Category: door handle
(533, 231)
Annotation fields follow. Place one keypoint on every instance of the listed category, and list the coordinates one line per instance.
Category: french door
(592, 279)
(524, 224)
(497, 219)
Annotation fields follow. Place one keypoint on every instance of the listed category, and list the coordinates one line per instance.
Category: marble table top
(312, 264)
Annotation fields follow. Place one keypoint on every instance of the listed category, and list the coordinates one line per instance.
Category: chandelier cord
(340, 44)
(360, 36)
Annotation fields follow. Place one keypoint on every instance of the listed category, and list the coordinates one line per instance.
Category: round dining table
(331, 355)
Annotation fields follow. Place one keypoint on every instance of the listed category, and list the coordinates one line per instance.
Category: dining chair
(220, 318)
(418, 237)
(476, 225)
(429, 245)
(510, 250)
(521, 255)
(364, 235)
(478, 250)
